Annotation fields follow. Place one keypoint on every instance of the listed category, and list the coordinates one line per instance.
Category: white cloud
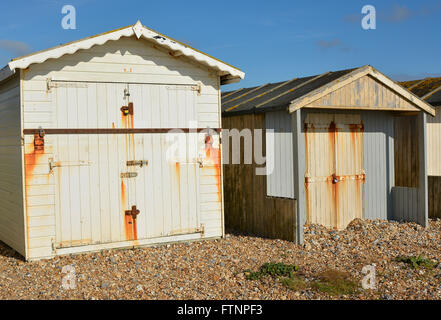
(16, 48)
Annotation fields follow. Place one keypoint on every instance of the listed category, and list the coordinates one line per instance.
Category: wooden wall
(406, 152)
(434, 197)
(247, 208)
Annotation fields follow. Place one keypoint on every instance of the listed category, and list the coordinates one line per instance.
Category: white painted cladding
(79, 202)
(12, 220)
(433, 147)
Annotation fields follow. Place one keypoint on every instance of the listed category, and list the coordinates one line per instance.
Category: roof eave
(352, 76)
(6, 73)
(137, 30)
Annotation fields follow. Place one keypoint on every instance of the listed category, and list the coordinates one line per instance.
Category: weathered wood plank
(247, 208)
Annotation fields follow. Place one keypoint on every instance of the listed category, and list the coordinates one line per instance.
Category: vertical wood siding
(379, 164)
(12, 224)
(364, 93)
(90, 81)
(434, 143)
(434, 196)
(280, 183)
(247, 208)
(405, 201)
(410, 194)
(406, 152)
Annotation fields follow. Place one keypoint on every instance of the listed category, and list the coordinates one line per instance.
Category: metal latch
(135, 163)
(126, 110)
(129, 174)
(133, 212)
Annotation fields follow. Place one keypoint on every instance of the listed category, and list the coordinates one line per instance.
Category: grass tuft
(272, 269)
(417, 262)
(335, 282)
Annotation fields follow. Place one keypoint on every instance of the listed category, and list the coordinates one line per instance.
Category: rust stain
(135, 229)
(333, 190)
(30, 161)
(131, 120)
(178, 172)
(213, 157)
(128, 227)
(113, 125)
(123, 194)
(358, 198)
(337, 206)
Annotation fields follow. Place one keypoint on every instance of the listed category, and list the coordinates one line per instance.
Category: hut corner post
(299, 172)
(423, 211)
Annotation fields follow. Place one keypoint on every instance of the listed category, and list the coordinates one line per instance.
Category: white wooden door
(166, 190)
(101, 177)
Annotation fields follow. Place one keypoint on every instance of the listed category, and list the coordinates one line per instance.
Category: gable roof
(299, 92)
(428, 89)
(228, 73)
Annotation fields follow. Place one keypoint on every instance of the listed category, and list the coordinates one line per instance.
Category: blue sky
(269, 40)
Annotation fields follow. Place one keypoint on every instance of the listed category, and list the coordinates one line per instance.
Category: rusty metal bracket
(129, 175)
(201, 229)
(197, 88)
(39, 140)
(133, 212)
(126, 110)
(137, 163)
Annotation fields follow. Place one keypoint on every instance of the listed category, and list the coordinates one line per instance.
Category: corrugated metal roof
(428, 89)
(277, 95)
(231, 73)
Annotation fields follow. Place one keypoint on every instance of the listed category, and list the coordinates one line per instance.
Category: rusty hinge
(133, 212)
(140, 163)
(129, 175)
(126, 110)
